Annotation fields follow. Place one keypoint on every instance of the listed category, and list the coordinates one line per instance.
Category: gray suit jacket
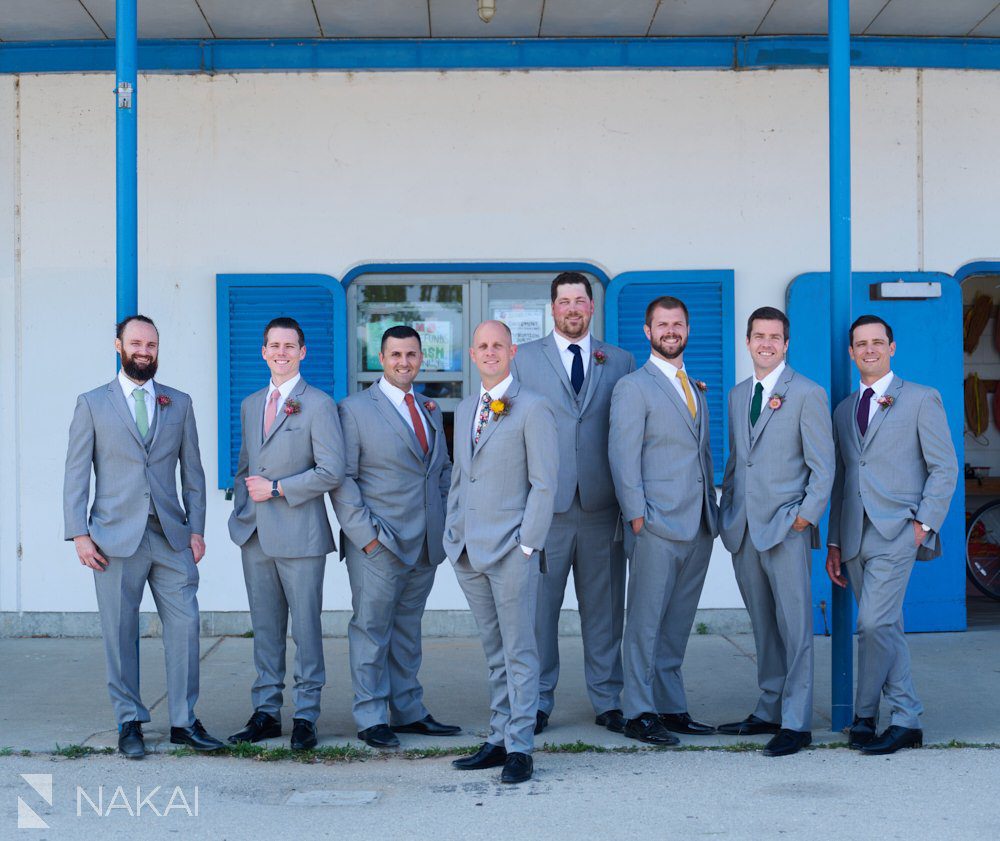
(780, 469)
(661, 459)
(392, 491)
(103, 437)
(305, 452)
(502, 494)
(582, 421)
(904, 469)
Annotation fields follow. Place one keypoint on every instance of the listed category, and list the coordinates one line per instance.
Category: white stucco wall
(319, 172)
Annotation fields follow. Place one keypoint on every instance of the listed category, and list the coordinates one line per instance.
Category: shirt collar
(666, 367)
(880, 386)
(563, 343)
(499, 390)
(771, 380)
(128, 386)
(285, 388)
(396, 395)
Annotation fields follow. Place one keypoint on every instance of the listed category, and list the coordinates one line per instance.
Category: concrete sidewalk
(53, 691)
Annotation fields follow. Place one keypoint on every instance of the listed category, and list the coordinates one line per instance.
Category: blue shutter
(708, 296)
(245, 304)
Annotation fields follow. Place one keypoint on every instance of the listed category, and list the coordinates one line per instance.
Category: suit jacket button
(472, 478)
(700, 479)
(861, 463)
(749, 464)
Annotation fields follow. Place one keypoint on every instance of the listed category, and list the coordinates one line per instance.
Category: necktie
(864, 407)
(141, 416)
(484, 416)
(576, 373)
(418, 425)
(758, 398)
(271, 411)
(687, 392)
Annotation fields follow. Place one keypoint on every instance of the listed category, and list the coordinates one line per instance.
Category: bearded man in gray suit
(391, 509)
(896, 473)
(777, 483)
(500, 504)
(577, 373)
(291, 455)
(662, 468)
(133, 434)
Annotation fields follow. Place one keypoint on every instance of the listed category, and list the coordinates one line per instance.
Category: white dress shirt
(495, 393)
(769, 382)
(148, 391)
(671, 374)
(566, 355)
(283, 391)
(398, 399)
(880, 387)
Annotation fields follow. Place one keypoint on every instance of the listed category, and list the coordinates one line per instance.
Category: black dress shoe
(649, 729)
(194, 737)
(612, 719)
(750, 726)
(683, 723)
(378, 736)
(861, 733)
(517, 768)
(130, 740)
(541, 721)
(427, 726)
(261, 725)
(893, 739)
(787, 742)
(303, 734)
(488, 756)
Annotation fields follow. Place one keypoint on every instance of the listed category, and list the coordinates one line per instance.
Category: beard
(569, 330)
(662, 350)
(141, 371)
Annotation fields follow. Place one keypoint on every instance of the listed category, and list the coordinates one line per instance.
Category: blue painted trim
(225, 282)
(977, 267)
(726, 279)
(469, 268)
(126, 165)
(305, 55)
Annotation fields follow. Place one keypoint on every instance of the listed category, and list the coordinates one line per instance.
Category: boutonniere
(701, 384)
(163, 400)
(500, 408)
(885, 401)
(775, 402)
(600, 357)
(430, 405)
(292, 406)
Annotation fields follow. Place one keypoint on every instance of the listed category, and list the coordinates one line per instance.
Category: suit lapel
(780, 390)
(296, 392)
(434, 425)
(552, 354)
(594, 375)
(117, 399)
(893, 391)
(672, 396)
(463, 428)
(510, 394)
(157, 416)
(742, 398)
(392, 417)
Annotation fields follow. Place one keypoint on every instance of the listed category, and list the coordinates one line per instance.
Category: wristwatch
(274, 489)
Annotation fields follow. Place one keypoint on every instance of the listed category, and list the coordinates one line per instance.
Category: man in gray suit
(391, 510)
(132, 434)
(777, 483)
(662, 469)
(291, 455)
(896, 472)
(577, 373)
(499, 511)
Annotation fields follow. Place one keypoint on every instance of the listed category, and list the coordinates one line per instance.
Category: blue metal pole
(126, 189)
(842, 654)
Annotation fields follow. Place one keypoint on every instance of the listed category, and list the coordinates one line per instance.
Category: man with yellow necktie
(662, 468)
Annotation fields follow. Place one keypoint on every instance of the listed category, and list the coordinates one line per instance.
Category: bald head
(492, 350)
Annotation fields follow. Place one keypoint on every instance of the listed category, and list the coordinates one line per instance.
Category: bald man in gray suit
(291, 456)
(133, 434)
(391, 509)
(500, 503)
(662, 467)
(896, 473)
(777, 483)
(577, 373)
